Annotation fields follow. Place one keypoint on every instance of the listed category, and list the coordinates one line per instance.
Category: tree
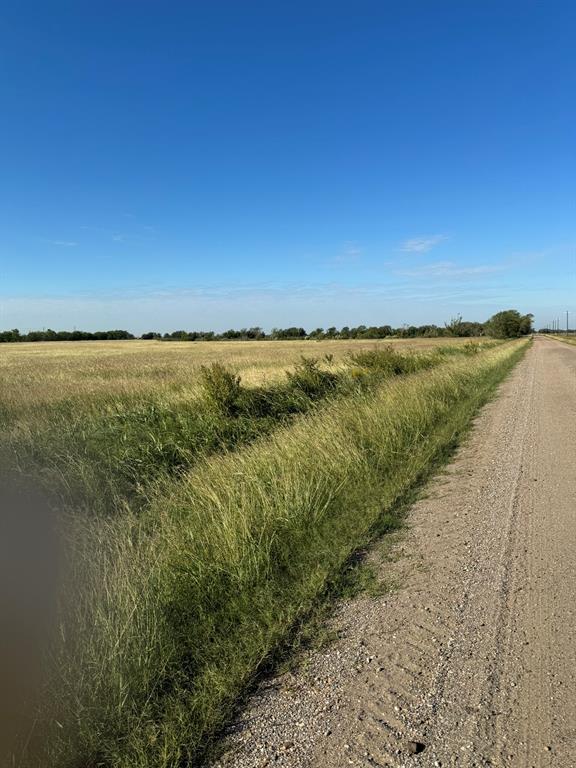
(454, 326)
(526, 324)
(509, 324)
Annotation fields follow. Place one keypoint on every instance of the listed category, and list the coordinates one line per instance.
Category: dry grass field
(43, 372)
(204, 517)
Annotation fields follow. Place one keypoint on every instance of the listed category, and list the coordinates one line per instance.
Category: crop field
(209, 496)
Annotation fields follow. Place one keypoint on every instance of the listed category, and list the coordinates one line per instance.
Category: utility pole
(567, 330)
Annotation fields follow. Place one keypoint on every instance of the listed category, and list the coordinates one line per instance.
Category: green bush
(389, 362)
(221, 388)
(309, 379)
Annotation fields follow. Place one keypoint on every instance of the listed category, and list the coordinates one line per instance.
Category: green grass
(102, 453)
(175, 609)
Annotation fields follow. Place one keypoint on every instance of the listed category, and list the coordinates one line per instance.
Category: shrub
(309, 379)
(221, 388)
(389, 362)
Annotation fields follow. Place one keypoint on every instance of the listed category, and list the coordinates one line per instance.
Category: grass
(176, 605)
(103, 451)
(566, 338)
(37, 373)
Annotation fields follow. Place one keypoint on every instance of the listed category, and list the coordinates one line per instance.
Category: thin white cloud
(451, 270)
(421, 244)
(64, 243)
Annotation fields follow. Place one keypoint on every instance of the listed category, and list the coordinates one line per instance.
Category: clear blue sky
(211, 164)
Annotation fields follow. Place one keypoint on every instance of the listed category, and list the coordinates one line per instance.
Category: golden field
(32, 373)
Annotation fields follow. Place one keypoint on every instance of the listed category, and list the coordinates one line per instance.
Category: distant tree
(454, 326)
(13, 335)
(472, 329)
(509, 324)
(288, 333)
(459, 327)
(526, 324)
(255, 333)
(231, 334)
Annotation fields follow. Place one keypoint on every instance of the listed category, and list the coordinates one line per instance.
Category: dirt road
(472, 660)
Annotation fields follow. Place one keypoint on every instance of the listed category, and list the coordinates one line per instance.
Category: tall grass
(104, 452)
(33, 374)
(567, 338)
(176, 609)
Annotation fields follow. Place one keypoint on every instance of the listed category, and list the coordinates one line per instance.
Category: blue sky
(215, 164)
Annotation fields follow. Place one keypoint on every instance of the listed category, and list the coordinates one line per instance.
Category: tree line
(507, 324)
(50, 335)
(346, 332)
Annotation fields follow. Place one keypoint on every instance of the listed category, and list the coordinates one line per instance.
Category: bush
(389, 362)
(309, 379)
(221, 388)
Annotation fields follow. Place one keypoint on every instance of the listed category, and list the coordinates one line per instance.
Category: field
(37, 372)
(205, 516)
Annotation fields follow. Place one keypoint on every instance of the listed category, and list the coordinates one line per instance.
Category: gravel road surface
(471, 660)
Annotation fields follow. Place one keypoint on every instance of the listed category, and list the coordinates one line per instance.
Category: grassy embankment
(102, 449)
(179, 606)
(566, 338)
